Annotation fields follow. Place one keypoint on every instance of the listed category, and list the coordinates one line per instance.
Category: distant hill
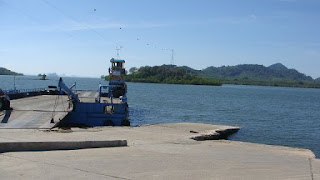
(4, 71)
(278, 66)
(256, 72)
(274, 75)
(246, 74)
(52, 75)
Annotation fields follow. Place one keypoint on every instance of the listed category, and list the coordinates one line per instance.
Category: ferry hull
(97, 114)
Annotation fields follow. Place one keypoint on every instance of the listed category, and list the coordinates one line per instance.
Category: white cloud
(253, 17)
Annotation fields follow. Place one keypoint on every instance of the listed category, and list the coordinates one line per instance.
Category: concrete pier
(162, 151)
(35, 112)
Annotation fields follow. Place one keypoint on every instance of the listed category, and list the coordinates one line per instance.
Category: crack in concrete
(78, 169)
(311, 170)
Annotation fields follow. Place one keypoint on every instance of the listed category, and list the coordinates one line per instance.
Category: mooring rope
(54, 108)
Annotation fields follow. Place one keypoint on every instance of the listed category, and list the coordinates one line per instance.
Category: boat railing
(23, 90)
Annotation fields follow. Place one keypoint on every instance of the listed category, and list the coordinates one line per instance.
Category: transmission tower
(172, 56)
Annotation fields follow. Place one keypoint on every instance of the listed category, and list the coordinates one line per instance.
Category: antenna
(172, 56)
(118, 48)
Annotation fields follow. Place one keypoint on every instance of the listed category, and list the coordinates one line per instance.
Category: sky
(79, 37)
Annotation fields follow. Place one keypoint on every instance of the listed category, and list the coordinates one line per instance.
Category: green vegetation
(245, 74)
(42, 76)
(168, 74)
(251, 74)
(4, 71)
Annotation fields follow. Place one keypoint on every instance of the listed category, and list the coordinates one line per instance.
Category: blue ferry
(109, 106)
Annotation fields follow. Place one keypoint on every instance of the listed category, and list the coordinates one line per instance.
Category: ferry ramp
(35, 112)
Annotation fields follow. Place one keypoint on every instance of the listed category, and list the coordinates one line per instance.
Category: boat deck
(90, 96)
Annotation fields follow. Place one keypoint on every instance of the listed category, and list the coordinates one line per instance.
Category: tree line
(245, 74)
(4, 71)
(167, 74)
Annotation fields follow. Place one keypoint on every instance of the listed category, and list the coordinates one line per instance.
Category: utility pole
(14, 83)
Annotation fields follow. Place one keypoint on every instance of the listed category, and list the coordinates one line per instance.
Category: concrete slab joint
(58, 145)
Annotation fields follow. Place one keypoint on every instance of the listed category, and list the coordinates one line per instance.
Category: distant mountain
(278, 66)
(246, 74)
(52, 75)
(4, 71)
(190, 70)
(255, 72)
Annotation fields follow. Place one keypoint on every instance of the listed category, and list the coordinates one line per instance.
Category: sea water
(268, 115)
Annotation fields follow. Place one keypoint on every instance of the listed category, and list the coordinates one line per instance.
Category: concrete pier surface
(161, 151)
(35, 112)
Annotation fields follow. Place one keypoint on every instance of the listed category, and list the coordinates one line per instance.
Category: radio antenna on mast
(118, 48)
